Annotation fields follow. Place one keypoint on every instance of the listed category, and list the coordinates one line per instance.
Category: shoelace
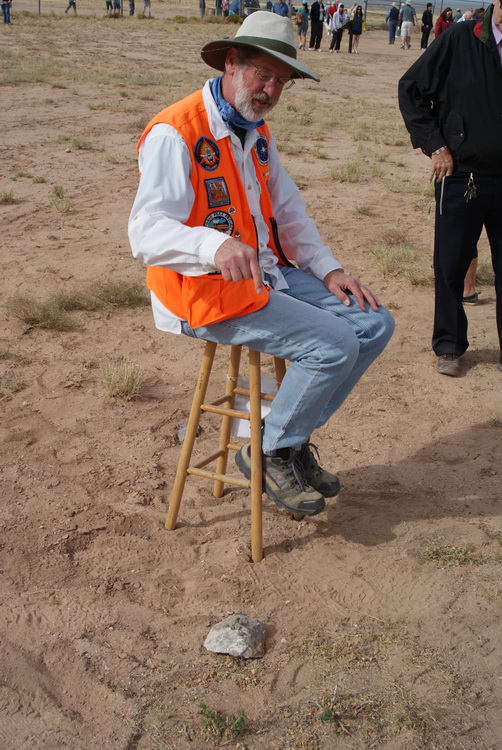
(307, 458)
(296, 470)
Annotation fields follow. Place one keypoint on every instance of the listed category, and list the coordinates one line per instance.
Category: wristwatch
(439, 151)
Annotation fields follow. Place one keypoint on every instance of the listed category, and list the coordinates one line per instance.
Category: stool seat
(225, 407)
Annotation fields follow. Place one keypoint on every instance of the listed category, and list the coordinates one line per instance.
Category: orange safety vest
(221, 204)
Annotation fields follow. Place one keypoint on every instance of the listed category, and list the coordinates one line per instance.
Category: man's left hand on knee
(339, 283)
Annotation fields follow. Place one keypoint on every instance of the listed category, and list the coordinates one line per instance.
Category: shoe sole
(271, 494)
(330, 493)
(451, 373)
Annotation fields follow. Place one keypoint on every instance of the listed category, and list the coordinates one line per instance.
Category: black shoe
(323, 481)
(284, 482)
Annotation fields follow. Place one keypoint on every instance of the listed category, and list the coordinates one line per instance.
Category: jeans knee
(383, 327)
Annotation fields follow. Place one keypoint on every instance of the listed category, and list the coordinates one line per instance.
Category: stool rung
(220, 399)
(245, 392)
(226, 478)
(225, 412)
(205, 461)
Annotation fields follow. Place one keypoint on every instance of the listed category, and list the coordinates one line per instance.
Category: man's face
(497, 14)
(252, 97)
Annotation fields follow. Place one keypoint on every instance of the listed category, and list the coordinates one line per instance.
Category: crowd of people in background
(402, 19)
(332, 19)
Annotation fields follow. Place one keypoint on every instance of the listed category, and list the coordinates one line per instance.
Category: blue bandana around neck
(229, 115)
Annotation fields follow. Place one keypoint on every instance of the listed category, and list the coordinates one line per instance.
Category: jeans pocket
(185, 328)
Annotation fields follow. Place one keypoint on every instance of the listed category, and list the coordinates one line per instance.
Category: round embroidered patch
(207, 154)
(220, 221)
(261, 149)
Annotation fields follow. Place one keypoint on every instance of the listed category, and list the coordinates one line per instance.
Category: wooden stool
(224, 405)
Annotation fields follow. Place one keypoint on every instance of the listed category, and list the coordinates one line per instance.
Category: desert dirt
(383, 613)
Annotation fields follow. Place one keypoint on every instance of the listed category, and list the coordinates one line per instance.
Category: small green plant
(47, 269)
(352, 171)
(81, 144)
(222, 725)
(122, 379)
(7, 196)
(23, 174)
(318, 154)
(58, 191)
(365, 210)
(448, 555)
(484, 272)
(399, 258)
(63, 204)
(38, 179)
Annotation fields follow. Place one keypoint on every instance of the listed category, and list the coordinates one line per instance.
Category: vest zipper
(275, 233)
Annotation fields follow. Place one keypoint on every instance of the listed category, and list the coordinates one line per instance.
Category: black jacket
(452, 95)
(315, 11)
(427, 19)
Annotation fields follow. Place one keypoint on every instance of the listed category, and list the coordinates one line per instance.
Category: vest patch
(261, 150)
(217, 192)
(220, 221)
(207, 154)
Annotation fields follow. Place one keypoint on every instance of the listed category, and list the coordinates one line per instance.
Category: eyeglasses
(285, 82)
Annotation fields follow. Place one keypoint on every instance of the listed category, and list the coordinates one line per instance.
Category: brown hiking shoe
(284, 482)
(448, 364)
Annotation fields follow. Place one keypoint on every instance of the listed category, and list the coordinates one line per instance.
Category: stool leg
(226, 421)
(256, 457)
(280, 369)
(190, 435)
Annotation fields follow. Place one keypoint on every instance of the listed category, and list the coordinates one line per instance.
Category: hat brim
(214, 54)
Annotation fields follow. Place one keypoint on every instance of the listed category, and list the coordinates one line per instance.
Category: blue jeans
(6, 12)
(392, 31)
(329, 345)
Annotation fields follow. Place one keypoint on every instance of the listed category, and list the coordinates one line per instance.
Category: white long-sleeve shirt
(159, 236)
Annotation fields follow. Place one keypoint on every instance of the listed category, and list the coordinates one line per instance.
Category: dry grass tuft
(7, 197)
(52, 313)
(446, 555)
(400, 259)
(37, 314)
(122, 379)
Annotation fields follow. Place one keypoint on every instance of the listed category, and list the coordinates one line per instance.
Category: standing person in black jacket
(427, 23)
(451, 102)
(316, 25)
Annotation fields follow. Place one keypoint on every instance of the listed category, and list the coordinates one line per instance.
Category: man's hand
(442, 165)
(338, 283)
(238, 261)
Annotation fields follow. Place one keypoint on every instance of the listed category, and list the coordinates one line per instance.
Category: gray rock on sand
(237, 635)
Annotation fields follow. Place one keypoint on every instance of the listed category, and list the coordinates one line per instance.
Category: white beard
(244, 100)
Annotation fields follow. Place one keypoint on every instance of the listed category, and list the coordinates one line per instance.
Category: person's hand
(442, 165)
(238, 262)
(339, 282)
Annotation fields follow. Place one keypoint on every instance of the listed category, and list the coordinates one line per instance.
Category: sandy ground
(375, 639)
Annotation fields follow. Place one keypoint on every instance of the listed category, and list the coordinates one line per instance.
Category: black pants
(336, 39)
(425, 38)
(316, 28)
(458, 226)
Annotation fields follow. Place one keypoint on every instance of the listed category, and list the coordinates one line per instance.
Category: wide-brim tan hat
(264, 32)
